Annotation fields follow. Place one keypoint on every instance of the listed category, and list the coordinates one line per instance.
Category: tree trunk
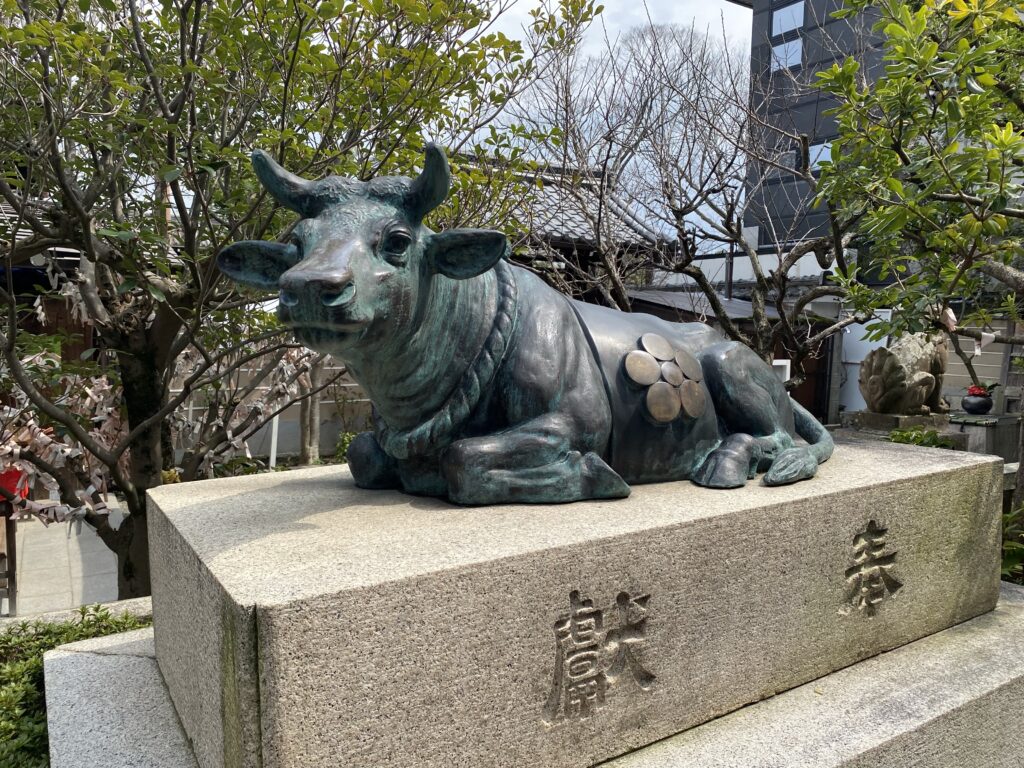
(309, 419)
(144, 394)
(133, 555)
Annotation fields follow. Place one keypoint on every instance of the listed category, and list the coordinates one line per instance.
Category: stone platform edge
(107, 706)
(954, 698)
(139, 607)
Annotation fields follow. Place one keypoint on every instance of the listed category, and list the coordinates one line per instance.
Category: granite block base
(952, 700)
(955, 698)
(301, 621)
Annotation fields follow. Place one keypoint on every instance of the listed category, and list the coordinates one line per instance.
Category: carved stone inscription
(591, 657)
(870, 578)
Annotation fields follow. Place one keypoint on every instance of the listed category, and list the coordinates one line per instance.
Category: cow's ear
(257, 263)
(464, 253)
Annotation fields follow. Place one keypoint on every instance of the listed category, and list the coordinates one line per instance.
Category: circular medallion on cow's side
(689, 365)
(642, 368)
(670, 372)
(692, 399)
(657, 346)
(663, 402)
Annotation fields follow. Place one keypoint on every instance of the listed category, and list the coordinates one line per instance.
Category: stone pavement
(61, 568)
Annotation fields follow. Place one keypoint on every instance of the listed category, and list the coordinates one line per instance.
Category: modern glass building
(790, 41)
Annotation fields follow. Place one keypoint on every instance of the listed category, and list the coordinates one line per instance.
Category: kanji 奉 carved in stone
(488, 385)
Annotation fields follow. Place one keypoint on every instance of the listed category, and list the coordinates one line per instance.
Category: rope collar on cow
(439, 431)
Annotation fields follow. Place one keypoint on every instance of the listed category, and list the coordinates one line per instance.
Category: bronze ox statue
(488, 385)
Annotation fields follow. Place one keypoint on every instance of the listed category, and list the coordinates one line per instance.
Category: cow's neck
(410, 385)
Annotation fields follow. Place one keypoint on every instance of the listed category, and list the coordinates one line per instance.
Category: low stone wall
(141, 607)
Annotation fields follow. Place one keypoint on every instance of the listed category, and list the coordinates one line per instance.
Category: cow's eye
(295, 240)
(394, 244)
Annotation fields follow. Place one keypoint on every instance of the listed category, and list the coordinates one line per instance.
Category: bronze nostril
(338, 297)
(288, 298)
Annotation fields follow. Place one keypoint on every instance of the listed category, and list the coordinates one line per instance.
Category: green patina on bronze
(488, 385)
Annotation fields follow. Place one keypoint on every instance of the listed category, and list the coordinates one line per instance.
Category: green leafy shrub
(341, 447)
(918, 435)
(1013, 545)
(238, 466)
(23, 737)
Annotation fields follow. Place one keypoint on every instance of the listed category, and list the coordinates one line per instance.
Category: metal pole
(273, 441)
(728, 270)
(11, 536)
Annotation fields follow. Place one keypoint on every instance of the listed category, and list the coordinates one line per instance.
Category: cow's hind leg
(731, 464)
(532, 462)
(756, 413)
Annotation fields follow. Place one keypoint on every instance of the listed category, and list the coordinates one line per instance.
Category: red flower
(975, 391)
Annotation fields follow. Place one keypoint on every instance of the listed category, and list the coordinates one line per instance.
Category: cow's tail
(819, 441)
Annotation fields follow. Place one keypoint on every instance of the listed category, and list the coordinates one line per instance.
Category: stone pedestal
(994, 434)
(887, 422)
(951, 700)
(107, 706)
(955, 698)
(300, 621)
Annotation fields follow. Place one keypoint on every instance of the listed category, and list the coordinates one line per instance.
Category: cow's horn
(289, 190)
(429, 189)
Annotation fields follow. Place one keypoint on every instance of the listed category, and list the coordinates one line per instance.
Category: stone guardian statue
(905, 379)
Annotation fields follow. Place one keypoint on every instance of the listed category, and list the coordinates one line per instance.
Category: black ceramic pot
(976, 404)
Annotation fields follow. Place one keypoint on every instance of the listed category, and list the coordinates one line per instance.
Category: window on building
(787, 55)
(784, 163)
(787, 18)
(819, 153)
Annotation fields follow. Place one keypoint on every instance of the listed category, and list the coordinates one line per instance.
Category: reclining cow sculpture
(488, 385)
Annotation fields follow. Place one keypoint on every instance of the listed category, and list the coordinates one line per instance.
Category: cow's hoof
(601, 481)
(723, 469)
(790, 466)
(370, 466)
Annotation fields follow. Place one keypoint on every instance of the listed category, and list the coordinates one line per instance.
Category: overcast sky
(620, 15)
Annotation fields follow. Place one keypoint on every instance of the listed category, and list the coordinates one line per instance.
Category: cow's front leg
(370, 466)
(534, 462)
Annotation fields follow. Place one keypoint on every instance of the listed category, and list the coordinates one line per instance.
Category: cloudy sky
(620, 15)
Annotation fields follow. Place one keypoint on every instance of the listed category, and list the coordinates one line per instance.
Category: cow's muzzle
(330, 291)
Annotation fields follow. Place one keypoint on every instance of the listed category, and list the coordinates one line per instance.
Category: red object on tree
(10, 479)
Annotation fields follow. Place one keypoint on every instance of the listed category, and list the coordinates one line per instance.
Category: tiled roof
(568, 209)
(8, 220)
(696, 303)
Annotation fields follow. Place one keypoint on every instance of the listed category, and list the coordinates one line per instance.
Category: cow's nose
(328, 290)
(335, 291)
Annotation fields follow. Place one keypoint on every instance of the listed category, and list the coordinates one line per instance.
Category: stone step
(301, 621)
(107, 706)
(951, 700)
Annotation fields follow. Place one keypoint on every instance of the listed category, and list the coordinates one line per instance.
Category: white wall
(742, 270)
(855, 349)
